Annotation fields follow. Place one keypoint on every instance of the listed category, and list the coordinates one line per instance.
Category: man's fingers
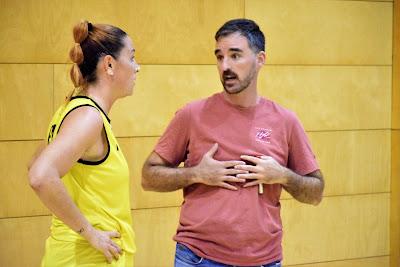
(211, 152)
(233, 179)
(252, 159)
(249, 176)
(252, 183)
(234, 171)
(248, 168)
(232, 163)
(228, 186)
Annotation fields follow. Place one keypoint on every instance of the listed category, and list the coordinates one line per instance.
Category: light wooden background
(329, 61)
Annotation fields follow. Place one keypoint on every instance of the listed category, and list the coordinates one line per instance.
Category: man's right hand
(218, 173)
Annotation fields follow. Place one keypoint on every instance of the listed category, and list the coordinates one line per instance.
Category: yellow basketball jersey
(100, 189)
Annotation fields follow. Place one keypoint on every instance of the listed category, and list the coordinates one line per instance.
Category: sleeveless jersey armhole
(87, 162)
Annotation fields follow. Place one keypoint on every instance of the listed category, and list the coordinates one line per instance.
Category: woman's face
(126, 68)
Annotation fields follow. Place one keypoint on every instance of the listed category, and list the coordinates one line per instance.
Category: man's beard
(243, 84)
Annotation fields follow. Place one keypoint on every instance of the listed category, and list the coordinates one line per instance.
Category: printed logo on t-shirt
(263, 135)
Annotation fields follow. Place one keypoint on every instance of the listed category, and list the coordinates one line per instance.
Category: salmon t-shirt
(239, 227)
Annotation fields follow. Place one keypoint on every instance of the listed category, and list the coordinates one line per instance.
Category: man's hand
(305, 188)
(218, 173)
(266, 170)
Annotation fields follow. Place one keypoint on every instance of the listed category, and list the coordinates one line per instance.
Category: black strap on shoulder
(94, 102)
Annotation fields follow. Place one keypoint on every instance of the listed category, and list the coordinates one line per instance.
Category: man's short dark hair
(246, 28)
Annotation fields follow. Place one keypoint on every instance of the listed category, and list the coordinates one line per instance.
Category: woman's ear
(108, 64)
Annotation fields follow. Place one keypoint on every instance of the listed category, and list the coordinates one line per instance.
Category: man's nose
(225, 64)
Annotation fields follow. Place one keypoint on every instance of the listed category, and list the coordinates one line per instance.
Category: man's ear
(261, 58)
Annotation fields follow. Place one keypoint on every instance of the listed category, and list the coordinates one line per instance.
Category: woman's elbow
(36, 178)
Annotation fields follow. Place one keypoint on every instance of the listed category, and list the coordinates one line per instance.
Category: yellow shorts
(69, 254)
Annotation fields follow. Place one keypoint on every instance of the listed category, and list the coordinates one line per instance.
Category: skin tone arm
(306, 189)
(55, 160)
(159, 176)
(35, 155)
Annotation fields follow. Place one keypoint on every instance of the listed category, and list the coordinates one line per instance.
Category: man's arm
(306, 189)
(159, 175)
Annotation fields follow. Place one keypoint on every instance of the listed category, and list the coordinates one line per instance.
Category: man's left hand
(266, 170)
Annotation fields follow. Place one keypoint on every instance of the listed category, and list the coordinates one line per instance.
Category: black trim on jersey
(86, 162)
(51, 133)
(94, 102)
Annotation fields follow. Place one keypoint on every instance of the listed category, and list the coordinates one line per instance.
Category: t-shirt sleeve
(172, 145)
(301, 157)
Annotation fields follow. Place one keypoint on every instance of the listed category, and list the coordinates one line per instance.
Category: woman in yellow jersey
(82, 175)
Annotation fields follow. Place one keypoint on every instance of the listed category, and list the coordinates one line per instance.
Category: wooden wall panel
(26, 101)
(160, 90)
(396, 67)
(154, 229)
(395, 177)
(341, 97)
(351, 225)
(136, 151)
(325, 32)
(16, 196)
(309, 231)
(353, 162)
(154, 101)
(395, 201)
(164, 32)
(367, 262)
(344, 227)
(331, 97)
(62, 84)
(22, 240)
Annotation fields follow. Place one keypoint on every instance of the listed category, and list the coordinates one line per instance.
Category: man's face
(236, 62)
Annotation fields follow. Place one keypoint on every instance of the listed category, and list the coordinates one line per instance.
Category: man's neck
(245, 99)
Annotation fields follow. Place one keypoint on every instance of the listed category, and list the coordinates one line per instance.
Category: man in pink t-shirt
(239, 151)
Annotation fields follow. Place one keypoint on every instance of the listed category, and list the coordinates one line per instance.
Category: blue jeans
(184, 257)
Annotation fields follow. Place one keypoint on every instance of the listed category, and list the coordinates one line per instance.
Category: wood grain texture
(325, 32)
(23, 240)
(396, 67)
(154, 229)
(344, 227)
(26, 100)
(324, 98)
(395, 201)
(16, 196)
(164, 32)
(331, 97)
(136, 150)
(368, 262)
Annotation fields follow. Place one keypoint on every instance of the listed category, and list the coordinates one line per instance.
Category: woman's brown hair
(92, 42)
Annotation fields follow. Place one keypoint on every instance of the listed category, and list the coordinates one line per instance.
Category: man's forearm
(307, 189)
(166, 179)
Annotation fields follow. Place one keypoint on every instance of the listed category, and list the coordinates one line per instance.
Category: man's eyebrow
(233, 49)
